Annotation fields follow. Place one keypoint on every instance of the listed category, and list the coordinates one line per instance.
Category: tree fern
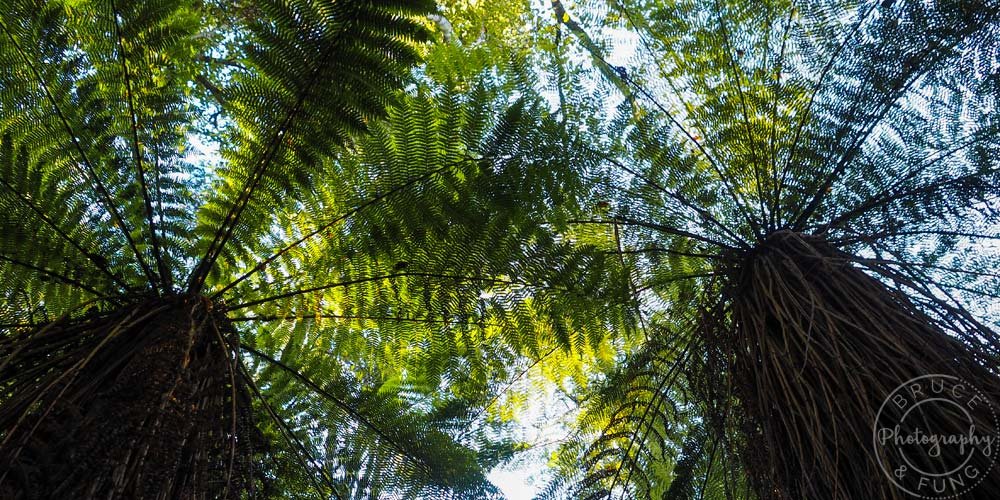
(291, 330)
(798, 178)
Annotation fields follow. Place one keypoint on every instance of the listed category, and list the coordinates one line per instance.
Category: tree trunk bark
(817, 351)
(143, 403)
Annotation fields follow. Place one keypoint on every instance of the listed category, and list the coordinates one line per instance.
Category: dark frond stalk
(813, 347)
(41, 214)
(884, 199)
(104, 196)
(448, 277)
(372, 201)
(677, 196)
(772, 205)
(226, 230)
(143, 402)
(615, 457)
(161, 266)
(656, 250)
(302, 455)
(625, 83)
(49, 275)
(851, 36)
(735, 73)
(657, 227)
(348, 317)
(719, 171)
(917, 66)
(854, 237)
(659, 397)
(682, 486)
(343, 405)
(273, 147)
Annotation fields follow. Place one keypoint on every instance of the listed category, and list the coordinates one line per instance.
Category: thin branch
(313, 289)
(675, 278)
(642, 30)
(898, 263)
(608, 70)
(708, 472)
(212, 88)
(660, 398)
(510, 384)
(223, 61)
(845, 161)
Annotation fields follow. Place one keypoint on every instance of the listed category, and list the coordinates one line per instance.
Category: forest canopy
(405, 249)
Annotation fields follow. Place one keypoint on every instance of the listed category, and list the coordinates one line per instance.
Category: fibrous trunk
(814, 347)
(143, 402)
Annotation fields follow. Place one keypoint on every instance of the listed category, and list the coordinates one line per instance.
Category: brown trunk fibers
(814, 347)
(146, 402)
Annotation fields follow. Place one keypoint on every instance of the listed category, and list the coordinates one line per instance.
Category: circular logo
(936, 436)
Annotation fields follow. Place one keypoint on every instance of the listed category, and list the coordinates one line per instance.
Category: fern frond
(317, 73)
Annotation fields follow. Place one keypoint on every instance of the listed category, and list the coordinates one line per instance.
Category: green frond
(314, 74)
(373, 441)
(108, 110)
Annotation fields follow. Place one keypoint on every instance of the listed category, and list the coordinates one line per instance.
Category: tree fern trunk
(139, 403)
(817, 346)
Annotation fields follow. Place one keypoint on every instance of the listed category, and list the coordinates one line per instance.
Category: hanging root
(145, 402)
(813, 348)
